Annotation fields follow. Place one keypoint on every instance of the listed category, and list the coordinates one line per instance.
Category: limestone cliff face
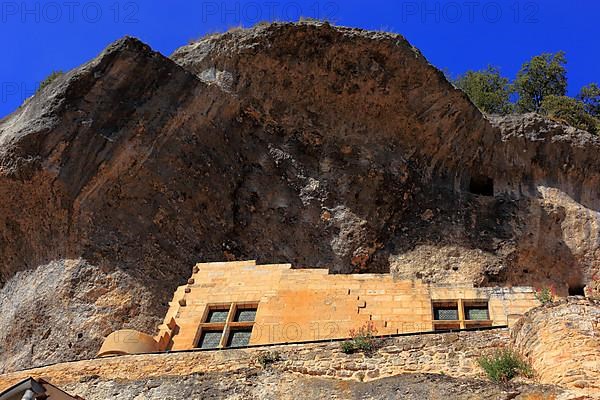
(354, 126)
(302, 143)
(117, 165)
(379, 140)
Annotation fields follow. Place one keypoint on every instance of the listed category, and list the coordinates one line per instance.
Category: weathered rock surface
(303, 143)
(257, 384)
(362, 114)
(65, 308)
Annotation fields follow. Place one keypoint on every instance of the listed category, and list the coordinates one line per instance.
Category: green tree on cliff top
(487, 89)
(542, 76)
(590, 96)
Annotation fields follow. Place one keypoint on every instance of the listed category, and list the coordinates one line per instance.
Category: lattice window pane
(477, 313)
(239, 338)
(210, 339)
(445, 314)
(217, 316)
(248, 315)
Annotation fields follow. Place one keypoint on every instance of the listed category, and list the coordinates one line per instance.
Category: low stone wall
(453, 354)
(562, 342)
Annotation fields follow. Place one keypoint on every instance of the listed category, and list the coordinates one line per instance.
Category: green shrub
(49, 79)
(544, 295)
(542, 76)
(362, 339)
(505, 364)
(571, 111)
(348, 347)
(590, 96)
(267, 358)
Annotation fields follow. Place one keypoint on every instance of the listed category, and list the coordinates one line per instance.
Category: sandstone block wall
(296, 305)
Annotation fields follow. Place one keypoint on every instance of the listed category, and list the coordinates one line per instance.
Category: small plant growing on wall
(361, 340)
(504, 365)
(267, 358)
(545, 295)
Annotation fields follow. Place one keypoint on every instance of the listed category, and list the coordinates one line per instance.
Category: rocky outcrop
(562, 342)
(540, 228)
(67, 308)
(260, 384)
(356, 124)
(552, 166)
(304, 143)
(89, 171)
(272, 384)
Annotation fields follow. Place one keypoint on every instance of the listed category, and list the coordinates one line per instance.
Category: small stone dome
(128, 341)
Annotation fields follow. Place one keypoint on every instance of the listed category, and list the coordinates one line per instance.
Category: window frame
(228, 326)
(446, 305)
(210, 312)
(232, 330)
(462, 322)
(476, 304)
(239, 307)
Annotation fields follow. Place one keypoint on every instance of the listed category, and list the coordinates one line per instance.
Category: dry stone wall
(564, 371)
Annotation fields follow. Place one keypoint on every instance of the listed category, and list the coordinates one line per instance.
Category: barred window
(217, 315)
(245, 315)
(477, 312)
(445, 311)
(460, 314)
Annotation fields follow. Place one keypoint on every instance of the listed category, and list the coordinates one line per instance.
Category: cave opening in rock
(481, 185)
(578, 290)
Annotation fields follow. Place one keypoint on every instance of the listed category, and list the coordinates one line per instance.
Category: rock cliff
(304, 143)
(563, 343)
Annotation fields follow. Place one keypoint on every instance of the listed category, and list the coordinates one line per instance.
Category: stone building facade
(235, 304)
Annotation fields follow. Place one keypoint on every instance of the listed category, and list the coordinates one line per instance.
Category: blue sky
(38, 37)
